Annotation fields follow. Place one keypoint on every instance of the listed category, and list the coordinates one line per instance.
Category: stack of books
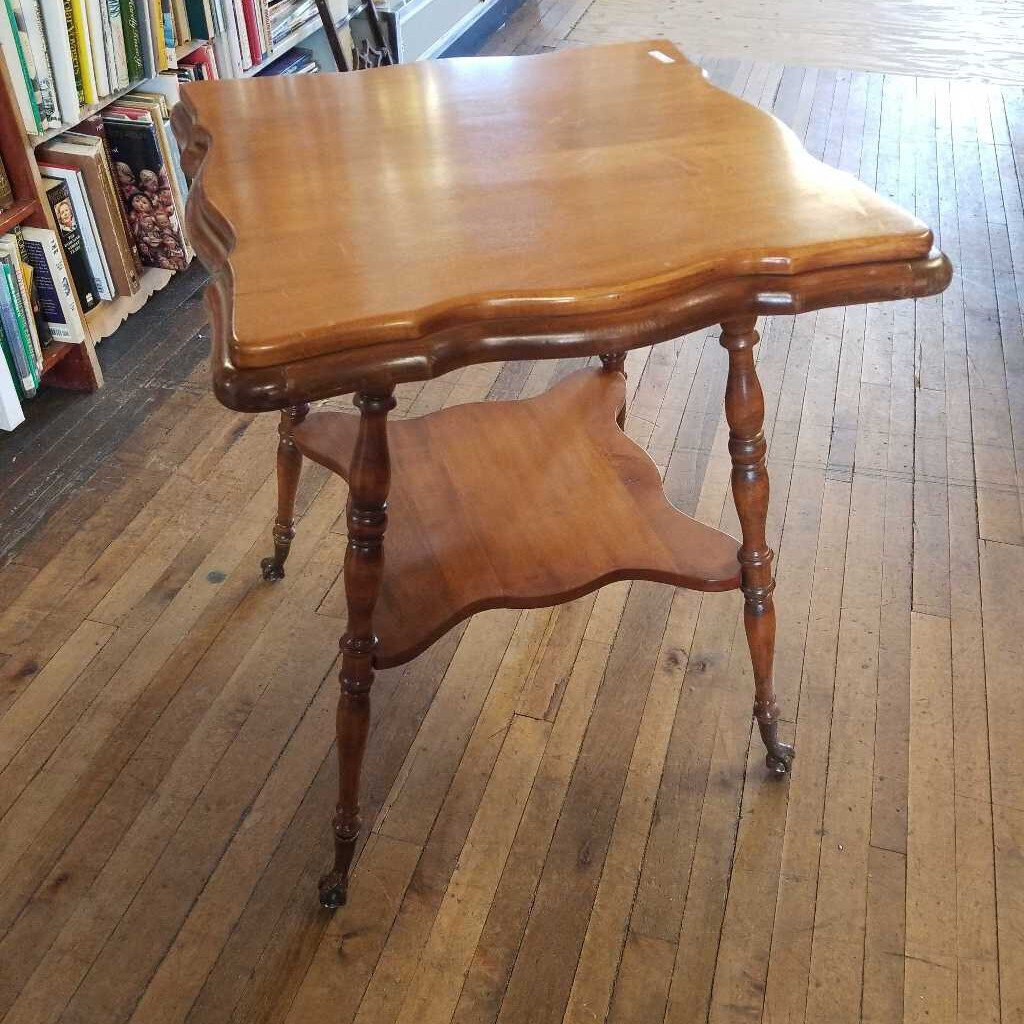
(66, 56)
(117, 194)
(287, 16)
(298, 61)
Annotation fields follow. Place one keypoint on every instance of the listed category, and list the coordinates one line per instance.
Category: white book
(120, 56)
(56, 30)
(228, 42)
(10, 48)
(10, 408)
(87, 225)
(29, 17)
(67, 324)
(96, 21)
(243, 38)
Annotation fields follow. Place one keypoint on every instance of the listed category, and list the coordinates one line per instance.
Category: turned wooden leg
(744, 410)
(289, 466)
(364, 560)
(611, 362)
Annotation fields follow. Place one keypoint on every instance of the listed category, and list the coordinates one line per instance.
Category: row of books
(66, 54)
(117, 194)
(36, 310)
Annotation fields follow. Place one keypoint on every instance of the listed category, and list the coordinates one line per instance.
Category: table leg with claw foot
(289, 466)
(744, 410)
(367, 515)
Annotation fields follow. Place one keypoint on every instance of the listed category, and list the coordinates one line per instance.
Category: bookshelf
(301, 35)
(87, 111)
(75, 365)
(64, 365)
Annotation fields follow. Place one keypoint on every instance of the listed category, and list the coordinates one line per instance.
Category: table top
(391, 224)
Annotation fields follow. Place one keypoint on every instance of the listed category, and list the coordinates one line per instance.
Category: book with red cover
(252, 31)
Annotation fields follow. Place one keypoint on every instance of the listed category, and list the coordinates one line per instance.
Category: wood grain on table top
(385, 206)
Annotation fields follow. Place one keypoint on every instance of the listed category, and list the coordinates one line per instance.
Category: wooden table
(385, 226)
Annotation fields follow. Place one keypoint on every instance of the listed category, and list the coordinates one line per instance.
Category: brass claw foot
(272, 569)
(779, 759)
(333, 890)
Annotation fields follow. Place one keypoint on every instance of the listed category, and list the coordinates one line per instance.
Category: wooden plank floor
(571, 820)
(980, 39)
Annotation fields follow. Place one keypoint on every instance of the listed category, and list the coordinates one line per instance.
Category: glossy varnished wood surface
(570, 818)
(411, 219)
(519, 505)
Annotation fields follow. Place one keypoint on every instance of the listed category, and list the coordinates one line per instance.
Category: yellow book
(84, 47)
(156, 22)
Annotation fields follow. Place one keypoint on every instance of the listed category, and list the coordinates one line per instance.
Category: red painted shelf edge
(55, 353)
(20, 211)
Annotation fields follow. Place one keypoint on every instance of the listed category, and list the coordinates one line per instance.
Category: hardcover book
(71, 241)
(53, 285)
(142, 177)
(21, 80)
(98, 265)
(16, 332)
(11, 254)
(14, 243)
(10, 408)
(88, 156)
(67, 73)
(132, 41)
(29, 24)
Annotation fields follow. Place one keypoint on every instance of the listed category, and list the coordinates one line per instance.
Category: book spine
(167, 20)
(10, 407)
(21, 77)
(99, 53)
(83, 44)
(72, 244)
(30, 15)
(59, 305)
(237, 50)
(76, 63)
(23, 306)
(149, 68)
(132, 40)
(197, 24)
(63, 62)
(156, 23)
(106, 34)
(24, 372)
(90, 236)
(252, 30)
(49, 300)
(118, 55)
(40, 330)
(6, 195)
(20, 323)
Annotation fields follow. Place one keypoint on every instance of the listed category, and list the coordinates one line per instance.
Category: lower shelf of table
(519, 505)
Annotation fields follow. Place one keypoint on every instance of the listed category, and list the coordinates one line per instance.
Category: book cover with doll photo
(140, 174)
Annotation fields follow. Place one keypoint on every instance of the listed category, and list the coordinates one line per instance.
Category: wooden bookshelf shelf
(105, 318)
(190, 47)
(87, 111)
(55, 353)
(17, 214)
